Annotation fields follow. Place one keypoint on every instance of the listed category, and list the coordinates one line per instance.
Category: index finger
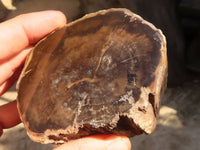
(27, 29)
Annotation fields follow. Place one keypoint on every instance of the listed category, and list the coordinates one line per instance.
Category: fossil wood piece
(104, 73)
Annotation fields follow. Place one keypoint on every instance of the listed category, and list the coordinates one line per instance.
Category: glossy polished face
(90, 73)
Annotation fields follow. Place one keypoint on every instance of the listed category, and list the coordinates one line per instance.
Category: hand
(17, 37)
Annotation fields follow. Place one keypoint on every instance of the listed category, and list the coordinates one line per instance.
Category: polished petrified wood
(104, 73)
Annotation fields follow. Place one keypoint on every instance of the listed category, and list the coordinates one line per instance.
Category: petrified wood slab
(104, 73)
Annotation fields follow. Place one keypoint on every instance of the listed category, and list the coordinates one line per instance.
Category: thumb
(98, 142)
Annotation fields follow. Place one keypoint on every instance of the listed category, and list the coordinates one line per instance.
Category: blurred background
(179, 120)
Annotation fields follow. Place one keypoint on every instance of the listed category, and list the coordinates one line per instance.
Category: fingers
(98, 142)
(9, 116)
(8, 68)
(9, 82)
(21, 31)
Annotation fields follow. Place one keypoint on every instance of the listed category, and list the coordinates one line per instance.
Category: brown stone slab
(102, 74)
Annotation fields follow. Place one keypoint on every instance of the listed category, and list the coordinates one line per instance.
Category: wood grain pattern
(104, 73)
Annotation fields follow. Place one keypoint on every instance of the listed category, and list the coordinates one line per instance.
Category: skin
(17, 37)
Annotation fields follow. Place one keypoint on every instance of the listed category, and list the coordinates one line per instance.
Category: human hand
(17, 37)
